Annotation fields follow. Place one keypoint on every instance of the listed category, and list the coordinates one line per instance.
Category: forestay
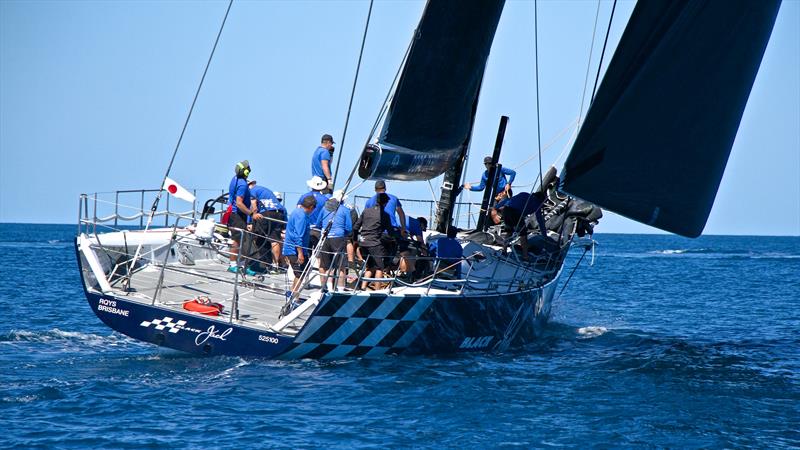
(430, 118)
(658, 135)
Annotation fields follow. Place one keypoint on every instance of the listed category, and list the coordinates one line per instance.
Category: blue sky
(93, 96)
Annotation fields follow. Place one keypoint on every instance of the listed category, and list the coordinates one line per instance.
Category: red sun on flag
(177, 190)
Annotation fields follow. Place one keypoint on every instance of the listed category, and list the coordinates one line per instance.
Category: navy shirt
(522, 202)
(320, 154)
(390, 208)
(342, 222)
(321, 199)
(298, 232)
(238, 188)
(531, 204)
(501, 180)
(266, 199)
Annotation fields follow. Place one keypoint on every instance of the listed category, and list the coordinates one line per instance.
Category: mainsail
(430, 118)
(658, 134)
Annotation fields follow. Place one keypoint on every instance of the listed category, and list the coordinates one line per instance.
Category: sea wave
(57, 335)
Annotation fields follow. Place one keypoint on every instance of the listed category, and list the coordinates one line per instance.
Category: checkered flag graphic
(166, 322)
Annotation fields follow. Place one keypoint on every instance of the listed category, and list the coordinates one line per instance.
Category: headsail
(658, 135)
(430, 118)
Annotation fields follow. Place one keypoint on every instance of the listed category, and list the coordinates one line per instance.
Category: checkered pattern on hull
(345, 326)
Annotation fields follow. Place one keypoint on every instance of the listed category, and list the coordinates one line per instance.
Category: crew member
(321, 161)
(503, 184)
(449, 252)
(268, 227)
(297, 239)
(318, 186)
(337, 215)
(242, 211)
(512, 212)
(370, 227)
(394, 208)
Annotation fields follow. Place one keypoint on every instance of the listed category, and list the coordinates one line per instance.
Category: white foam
(591, 332)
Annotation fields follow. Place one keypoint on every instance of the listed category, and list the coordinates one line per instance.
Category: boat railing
(130, 208)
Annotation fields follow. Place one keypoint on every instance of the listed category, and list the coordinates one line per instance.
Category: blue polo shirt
(298, 232)
(342, 222)
(238, 188)
(413, 226)
(320, 154)
(266, 199)
(321, 199)
(390, 208)
(501, 180)
(448, 250)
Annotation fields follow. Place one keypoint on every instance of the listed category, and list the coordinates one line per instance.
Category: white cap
(317, 183)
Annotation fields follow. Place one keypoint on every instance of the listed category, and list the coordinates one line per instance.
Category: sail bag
(658, 134)
(430, 117)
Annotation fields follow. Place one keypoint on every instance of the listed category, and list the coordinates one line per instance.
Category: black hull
(345, 326)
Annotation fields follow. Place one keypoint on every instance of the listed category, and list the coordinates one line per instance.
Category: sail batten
(658, 134)
(432, 111)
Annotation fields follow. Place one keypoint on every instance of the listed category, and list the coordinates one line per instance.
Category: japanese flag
(177, 190)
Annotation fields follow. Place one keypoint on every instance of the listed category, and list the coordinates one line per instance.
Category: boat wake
(56, 335)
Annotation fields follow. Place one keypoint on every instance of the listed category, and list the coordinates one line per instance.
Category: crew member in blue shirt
(503, 184)
(321, 161)
(268, 227)
(394, 208)
(295, 247)
(338, 216)
(317, 186)
(448, 251)
(242, 210)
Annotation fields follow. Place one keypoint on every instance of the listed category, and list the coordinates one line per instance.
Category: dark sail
(430, 118)
(658, 135)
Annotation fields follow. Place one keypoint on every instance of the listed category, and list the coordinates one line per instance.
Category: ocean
(663, 342)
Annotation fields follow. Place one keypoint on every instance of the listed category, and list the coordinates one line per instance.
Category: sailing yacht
(653, 148)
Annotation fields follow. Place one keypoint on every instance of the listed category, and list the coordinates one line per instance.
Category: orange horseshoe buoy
(203, 305)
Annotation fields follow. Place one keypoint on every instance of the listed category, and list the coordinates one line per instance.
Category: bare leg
(367, 274)
(276, 254)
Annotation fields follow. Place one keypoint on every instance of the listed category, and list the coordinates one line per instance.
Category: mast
(447, 200)
(494, 170)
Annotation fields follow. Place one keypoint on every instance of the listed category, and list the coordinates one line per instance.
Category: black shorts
(331, 247)
(237, 220)
(271, 228)
(296, 267)
(374, 256)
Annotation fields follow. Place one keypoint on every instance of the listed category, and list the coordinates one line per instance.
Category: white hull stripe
(379, 333)
(418, 309)
(411, 334)
(344, 331)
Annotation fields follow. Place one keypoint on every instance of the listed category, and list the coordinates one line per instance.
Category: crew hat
(317, 183)
(487, 160)
(380, 184)
(339, 195)
(327, 137)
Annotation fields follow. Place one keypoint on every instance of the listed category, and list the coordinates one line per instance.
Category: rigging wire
(589, 63)
(180, 138)
(536, 55)
(605, 42)
(353, 92)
